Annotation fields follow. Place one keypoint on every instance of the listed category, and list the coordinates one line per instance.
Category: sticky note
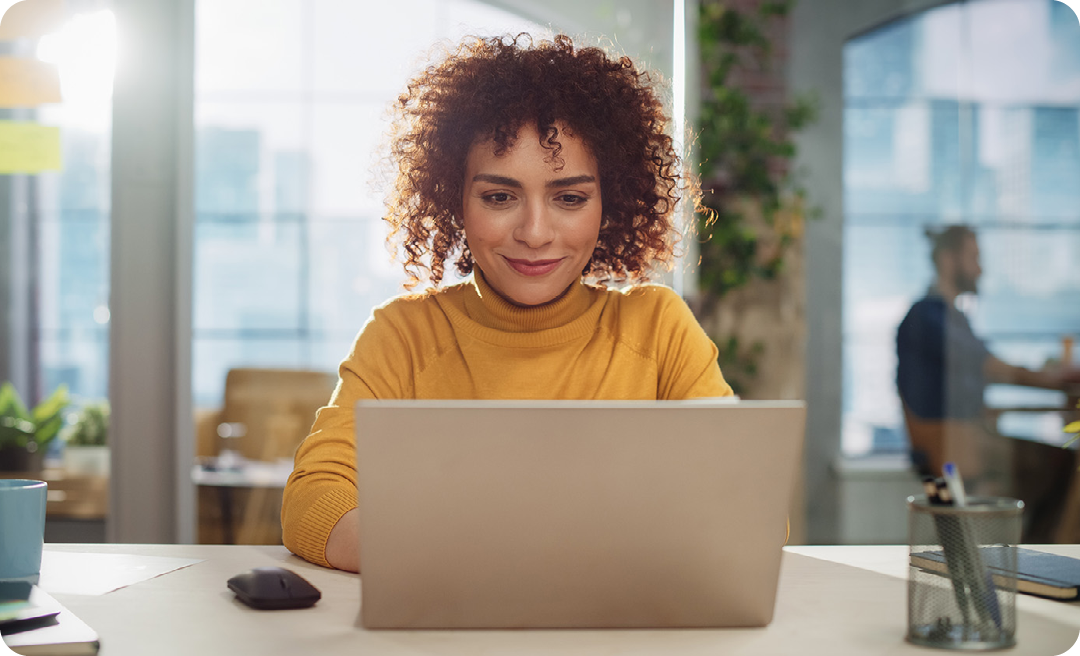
(28, 82)
(27, 147)
(32, 18)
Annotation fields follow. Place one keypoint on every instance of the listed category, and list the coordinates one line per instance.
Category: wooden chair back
(275, 406)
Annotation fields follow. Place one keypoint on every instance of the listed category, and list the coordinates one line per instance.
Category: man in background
(942, 373)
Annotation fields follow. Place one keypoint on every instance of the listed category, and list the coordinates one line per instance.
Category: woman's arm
(322, 486)
(686, 356)
(321, 491)
(343, 545)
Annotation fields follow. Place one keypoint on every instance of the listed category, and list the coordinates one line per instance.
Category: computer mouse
(274, 588)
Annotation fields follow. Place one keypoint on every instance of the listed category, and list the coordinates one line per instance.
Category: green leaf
(19, 427)
(1073, 427)
(768, 9)
(10, 403)
(15, 432)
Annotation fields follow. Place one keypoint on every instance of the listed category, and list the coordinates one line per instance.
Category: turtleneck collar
(484, 306)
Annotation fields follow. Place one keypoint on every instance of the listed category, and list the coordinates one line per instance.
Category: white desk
(832, 600)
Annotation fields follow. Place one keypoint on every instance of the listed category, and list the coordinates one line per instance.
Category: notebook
(1037, 572)
(45, 628)
(18, 612)
(573, 514)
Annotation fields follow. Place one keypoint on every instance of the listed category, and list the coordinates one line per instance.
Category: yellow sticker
(32, 18)
(28, 82)
(27, 147)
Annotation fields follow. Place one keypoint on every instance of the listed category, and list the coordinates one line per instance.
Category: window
(290, 254)
(66, 225)
(967, 113)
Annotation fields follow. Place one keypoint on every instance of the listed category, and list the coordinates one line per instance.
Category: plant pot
(86, 460)
(20, 459)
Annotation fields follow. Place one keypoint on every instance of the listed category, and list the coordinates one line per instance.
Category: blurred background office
(212, 242)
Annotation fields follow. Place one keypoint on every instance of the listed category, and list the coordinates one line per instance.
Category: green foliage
(30, 429)
(91, 427)
(745, 153)
(738, 363)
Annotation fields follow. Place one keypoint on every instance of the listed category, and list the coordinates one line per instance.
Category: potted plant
(25, 434)
(86, 448)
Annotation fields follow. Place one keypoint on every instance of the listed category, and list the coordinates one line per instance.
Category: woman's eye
(497, 198)
(572, 199)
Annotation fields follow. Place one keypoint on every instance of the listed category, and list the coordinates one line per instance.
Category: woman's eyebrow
(572, 180)
(496, 179)
(511, 182)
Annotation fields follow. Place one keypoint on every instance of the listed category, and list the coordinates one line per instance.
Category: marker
(955, 483)
(943, 494)
(931, 490)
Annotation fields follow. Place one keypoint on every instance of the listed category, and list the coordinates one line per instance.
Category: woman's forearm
(343, 545)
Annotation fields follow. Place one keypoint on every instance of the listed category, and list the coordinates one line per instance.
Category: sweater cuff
(317, 523)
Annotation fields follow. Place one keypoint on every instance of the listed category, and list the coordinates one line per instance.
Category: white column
(151, 233)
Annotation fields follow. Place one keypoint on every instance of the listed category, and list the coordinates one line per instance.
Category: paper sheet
(64, 572)
(27, 147)
(31, 18)
(28, 82)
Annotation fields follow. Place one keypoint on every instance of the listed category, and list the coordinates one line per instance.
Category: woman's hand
(343, 545)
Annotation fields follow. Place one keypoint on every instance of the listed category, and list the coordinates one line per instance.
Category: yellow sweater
(466, 342)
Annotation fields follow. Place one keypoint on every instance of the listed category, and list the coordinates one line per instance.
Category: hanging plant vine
(754, 207)
(745, 153)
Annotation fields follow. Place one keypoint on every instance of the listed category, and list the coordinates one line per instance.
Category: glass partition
(968, 113)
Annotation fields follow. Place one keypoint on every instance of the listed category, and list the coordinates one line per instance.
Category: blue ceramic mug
(22, 529)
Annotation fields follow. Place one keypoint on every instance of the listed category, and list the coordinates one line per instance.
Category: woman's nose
(536, 227)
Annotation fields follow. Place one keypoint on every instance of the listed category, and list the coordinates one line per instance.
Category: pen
(938, 495)
(982, 590)
(955, 484)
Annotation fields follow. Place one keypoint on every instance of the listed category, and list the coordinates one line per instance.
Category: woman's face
(531, 227)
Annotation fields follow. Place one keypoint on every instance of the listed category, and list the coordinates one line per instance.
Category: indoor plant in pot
(86, 448)
(25, 434)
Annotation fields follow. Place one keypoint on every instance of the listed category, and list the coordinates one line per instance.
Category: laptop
(559, 514)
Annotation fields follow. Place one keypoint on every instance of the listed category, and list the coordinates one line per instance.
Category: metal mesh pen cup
(962, 576)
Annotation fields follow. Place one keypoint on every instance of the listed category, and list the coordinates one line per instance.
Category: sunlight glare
(84, 51)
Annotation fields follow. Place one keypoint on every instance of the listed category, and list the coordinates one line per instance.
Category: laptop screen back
(573, 514)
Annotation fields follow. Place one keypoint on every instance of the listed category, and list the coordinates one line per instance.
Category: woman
(537, 165)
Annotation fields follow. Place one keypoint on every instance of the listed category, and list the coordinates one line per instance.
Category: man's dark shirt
(940, 361)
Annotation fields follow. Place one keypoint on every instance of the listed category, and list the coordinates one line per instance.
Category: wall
(872, 495)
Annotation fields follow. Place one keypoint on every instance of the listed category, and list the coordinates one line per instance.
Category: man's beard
(966, 284)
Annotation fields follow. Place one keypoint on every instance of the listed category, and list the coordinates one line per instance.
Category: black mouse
(274, 588)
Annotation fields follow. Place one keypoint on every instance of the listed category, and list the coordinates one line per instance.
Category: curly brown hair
(489, 88)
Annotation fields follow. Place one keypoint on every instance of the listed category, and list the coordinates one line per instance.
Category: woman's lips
(532, 267)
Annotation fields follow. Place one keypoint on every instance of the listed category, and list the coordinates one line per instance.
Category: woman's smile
(532, 267)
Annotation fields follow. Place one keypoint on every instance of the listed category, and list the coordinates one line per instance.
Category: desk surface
(832, 600)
